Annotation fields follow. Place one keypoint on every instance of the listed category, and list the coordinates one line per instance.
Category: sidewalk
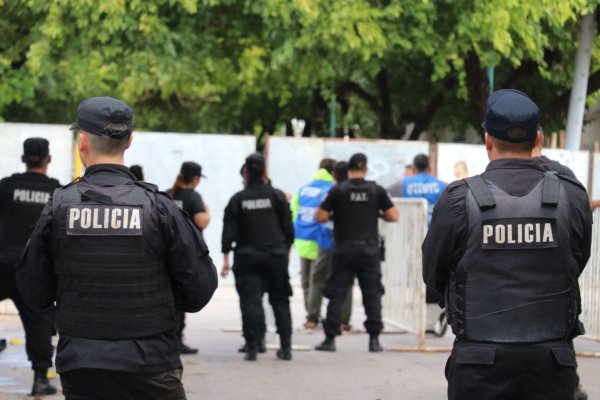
(218, 371)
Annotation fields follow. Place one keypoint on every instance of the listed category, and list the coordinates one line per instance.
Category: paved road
(218, 371)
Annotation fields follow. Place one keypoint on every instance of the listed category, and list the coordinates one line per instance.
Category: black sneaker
(284, 354)
(42, 387)
(184, 349)
(327, 345)
(2, 344)
(374, 346)
(251, 351)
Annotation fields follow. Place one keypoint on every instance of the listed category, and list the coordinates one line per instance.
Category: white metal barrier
(589, 284)
(404, 300)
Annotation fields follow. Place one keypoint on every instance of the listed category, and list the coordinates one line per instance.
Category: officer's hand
(225, 269)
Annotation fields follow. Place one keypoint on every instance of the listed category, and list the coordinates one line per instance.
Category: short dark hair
(421, 162)
(340, 171)
(519, 147)
(327, 164)
(105, 145)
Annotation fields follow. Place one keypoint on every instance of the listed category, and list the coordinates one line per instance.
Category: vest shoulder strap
(481, 191)
(137, 195)
(551, 190)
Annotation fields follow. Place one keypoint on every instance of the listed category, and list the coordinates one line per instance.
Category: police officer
(191, 202)
(258, 220)
(505, 249)
(356, 205)
(22, 198)
(308, 231)
(119, 259)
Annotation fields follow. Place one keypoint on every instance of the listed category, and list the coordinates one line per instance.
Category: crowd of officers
(113, 264)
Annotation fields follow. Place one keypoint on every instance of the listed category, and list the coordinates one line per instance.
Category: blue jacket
(423, 186)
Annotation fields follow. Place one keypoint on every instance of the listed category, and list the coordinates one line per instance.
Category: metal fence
(404, 300)
(589, 284)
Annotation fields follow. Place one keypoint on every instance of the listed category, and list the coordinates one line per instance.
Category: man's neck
(119, 160)
(356, 175)
(39, 170)
(494, 155)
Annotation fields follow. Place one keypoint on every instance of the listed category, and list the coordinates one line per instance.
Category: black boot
(262, 347)
(184, 349)
(2, 344)
(285, 351)
(251, 351)
(374, 346)
(41, 386)
(327, 345)
(580, 394)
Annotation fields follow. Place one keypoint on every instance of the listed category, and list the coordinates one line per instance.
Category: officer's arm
(326, 208)
(388, 212)
(285, 218)
(193, 274)
(200, 211)
(4, 195)
(444, 242)
(35, 274)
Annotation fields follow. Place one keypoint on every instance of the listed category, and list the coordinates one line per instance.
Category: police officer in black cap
(22, 198)
(356, 205)
(505, 249)
(258, 221)
(119, 259)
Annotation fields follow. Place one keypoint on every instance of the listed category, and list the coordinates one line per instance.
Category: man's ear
(129, 141)
(488, 142)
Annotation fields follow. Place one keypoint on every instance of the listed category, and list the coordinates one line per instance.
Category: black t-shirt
(22, 198)
(355, 205)
(189, 201)
(258, 218)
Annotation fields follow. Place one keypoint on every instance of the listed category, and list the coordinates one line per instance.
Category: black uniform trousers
(38, 325)
(257, 272)
(540, 371)
(363, 260)
(102, 384)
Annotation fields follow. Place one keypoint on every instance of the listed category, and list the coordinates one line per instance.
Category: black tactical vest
(516, 282)
(28, 196)
(110, 265)
(357, 216)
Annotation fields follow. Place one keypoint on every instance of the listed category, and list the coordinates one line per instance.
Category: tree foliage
(395, 67)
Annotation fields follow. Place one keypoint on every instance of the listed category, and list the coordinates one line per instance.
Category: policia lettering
(518, 233)
(104, 220)
(30, 196)
(256, 204)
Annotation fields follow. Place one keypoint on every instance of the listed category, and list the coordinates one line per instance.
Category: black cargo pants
(541, 371)
(257, 272)
(38, 325)
(363, 260)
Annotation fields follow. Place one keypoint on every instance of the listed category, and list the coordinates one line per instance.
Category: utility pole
(580, 82)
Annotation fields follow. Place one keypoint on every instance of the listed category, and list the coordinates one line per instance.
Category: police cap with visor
(104, 116)
(509, 108)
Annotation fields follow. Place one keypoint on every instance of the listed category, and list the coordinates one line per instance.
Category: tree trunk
(386, 122)
(477, 87)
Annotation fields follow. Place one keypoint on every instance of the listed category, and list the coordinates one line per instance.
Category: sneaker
(580, 394)
(327, 345)
(2, 344)
(42, 387)
(310, 325)
(284, 354)
(184, 349)
(441, 325)
(374, 346)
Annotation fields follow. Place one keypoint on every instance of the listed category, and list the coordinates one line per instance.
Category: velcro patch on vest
(28, 196)
(519, 233)
(104, 220)
(359, 197)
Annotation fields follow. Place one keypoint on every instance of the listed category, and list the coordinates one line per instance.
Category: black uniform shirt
(189, 201)
(355, 204)
(258, 218)
(22, 198)
(551, 165)
(194, 280)
(446, 239)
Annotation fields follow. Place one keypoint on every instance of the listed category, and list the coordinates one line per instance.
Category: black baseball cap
(95, 114)
(36, 148)
(357, 161)
(190, 170)
(256, 162)
(510, 108)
